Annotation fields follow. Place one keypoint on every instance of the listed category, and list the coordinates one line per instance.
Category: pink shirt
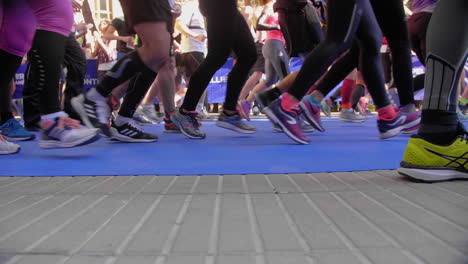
(274, 34)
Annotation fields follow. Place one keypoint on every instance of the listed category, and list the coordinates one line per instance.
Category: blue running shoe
(12, 130)
(188, 124)
(289, 121)
(234, 123)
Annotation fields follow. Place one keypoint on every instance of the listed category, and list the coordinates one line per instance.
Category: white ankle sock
(121, 120)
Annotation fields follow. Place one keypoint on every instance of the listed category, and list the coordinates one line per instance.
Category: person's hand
(200, 37)
(127, 39)
(77, 5)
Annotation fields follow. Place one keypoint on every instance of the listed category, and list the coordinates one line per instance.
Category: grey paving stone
(235, 232)
(361, 217)
(38, 259)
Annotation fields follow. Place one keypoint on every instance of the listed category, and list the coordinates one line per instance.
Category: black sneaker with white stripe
(130, 133)
(93, 113)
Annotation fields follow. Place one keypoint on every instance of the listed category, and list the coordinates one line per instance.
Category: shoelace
(193, 119)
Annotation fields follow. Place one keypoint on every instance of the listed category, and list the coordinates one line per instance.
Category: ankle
(288, 101)
(121, 120)
(317, 96)
(387, 113)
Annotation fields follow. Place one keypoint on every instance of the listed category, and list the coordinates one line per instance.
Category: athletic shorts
(140, 11)
(259, 65)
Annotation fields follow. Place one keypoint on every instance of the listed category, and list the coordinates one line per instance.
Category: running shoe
(12, 130)
(305, 126)
(8, 147)
(169, 126)
(130, 133)
(402, 121)
(349, 115)
(235, 123)
(427, 162)
(95, 114)
(311, 113)
(65, 132)
(188, 124)
(411, 130)
(326, 107)
(141, 119)
(255, 110)
(243, 107)
(289, 121)
(204, 115)
(264, 99)
(150, 113)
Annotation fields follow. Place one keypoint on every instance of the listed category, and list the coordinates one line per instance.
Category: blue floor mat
(343, 147)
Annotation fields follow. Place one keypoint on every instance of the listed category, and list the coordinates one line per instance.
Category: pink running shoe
(311, 113)
(243, 107)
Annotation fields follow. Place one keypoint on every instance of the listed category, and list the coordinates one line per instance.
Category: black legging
(227, 30)
(301, 28)
(390, 16)
(392, 20)
(347, 19)
(75, 62)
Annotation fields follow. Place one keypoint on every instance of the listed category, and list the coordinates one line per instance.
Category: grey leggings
(276, 61)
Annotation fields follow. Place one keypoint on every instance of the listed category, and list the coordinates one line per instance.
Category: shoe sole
(172, 131)
(411, 130)
(183, 131)
(77, 104)
(234, 128)
(115, 135)
(351, 120)
(50, 144)
(10, 152)
(19, 138)
(310, 119)
(275, 120)
(432, 175)
(396, 131)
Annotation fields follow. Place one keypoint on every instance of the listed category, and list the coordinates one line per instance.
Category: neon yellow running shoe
(427, 162)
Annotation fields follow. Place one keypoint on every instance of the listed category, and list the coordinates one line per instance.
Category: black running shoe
(130, 133)
(95, 114)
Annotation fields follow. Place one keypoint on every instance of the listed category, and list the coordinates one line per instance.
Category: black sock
(126, 68)
(440, 127)
(8, 66)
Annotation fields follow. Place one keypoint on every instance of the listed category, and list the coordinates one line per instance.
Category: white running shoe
(8, 147)
(65, 132)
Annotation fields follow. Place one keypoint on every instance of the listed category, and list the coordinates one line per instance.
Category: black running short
(140, 11)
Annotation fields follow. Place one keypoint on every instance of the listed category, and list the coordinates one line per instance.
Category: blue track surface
(343, 147)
